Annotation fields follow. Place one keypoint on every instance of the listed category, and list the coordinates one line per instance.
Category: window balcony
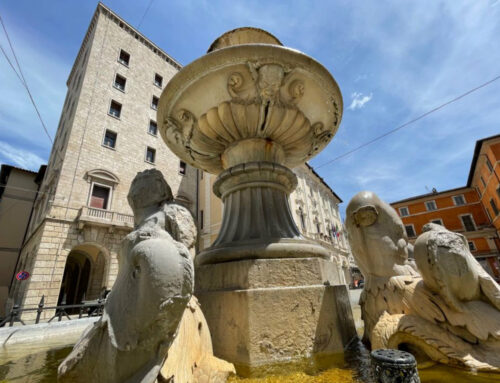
(103, 217)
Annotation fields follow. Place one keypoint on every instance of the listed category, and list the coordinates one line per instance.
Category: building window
(115, 109)
(158, 80)
(302, 219)
(410, 231)
(494, 206)
(482, 181)
(431, 205)
(124, 58)
(150, 155)
(488, 164)
(468, 222)
(202, 219)
(182, 168)
(153, 128)
(459, 200)
(110, 139)
(438, 221)
(99, 198)
(120, 82)
(154, 102)
(403, 211)
(472, 246)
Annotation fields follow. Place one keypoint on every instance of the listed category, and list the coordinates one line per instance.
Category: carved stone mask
(365, 215)
(270, 80)
(376, 234)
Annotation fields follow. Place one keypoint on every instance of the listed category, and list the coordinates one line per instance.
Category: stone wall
(79, 159)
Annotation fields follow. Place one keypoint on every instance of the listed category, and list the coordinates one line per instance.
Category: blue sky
(393, 60)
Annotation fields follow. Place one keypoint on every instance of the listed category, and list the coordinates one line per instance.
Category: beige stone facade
(18, 190)
(314, 208)
(105, 136)
(71, 246)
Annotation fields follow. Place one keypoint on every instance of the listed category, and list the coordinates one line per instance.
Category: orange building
(484, 176)
(472, 210)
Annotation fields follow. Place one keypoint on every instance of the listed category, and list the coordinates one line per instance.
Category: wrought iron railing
(87, 309)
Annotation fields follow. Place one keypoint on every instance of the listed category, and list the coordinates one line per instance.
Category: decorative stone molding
(443, 304)
(102, 175)
(249, 113)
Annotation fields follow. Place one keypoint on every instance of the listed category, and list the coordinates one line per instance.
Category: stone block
(266, 312)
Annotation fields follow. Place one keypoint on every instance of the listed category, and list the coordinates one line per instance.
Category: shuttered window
(100, 197)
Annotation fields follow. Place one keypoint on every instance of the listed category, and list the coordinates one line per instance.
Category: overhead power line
(10, 63)
(410, 122)
(21, 78)
(144, 15)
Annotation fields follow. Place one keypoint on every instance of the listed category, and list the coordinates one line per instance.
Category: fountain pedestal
(249, 111)
(264, 312)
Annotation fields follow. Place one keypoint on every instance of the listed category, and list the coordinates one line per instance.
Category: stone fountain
(249, 111)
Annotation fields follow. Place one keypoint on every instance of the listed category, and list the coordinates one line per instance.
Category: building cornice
(102, 9)
(425, 197)
(323, 182)
(475, 157)
(441, 209)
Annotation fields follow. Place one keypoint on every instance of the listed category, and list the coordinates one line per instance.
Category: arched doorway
(75, 279)
(84, 275)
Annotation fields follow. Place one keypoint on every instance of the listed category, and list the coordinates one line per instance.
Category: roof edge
(475, 157)
(323, 182)
(102, 8)
(429, 195)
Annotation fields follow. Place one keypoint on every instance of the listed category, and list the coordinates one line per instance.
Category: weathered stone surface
(142, 313)
(249, 102)
(254, 324)
(248, 113)
(20, 341)
(78, 153)
(190, 358)
(450, 312)
(344, 314)
(266, 273)
(380, 246)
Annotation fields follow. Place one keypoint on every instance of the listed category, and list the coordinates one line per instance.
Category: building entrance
(75, 279)
(84, 275)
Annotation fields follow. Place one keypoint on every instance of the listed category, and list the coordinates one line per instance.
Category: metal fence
(85, 309)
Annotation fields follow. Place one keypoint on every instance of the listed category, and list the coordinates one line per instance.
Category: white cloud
(359, 101)
(19, 157)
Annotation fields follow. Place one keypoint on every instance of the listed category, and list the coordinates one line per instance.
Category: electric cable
(410, 122)
(24, 80)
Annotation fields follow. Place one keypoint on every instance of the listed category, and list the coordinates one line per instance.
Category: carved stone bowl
(248, 100)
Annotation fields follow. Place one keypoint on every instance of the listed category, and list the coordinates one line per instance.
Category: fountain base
(267, 311)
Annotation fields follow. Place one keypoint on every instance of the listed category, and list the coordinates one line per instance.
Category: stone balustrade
(105, 217)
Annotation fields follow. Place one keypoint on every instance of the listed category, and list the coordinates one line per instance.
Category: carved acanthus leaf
(321, 137)
(180, 130)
